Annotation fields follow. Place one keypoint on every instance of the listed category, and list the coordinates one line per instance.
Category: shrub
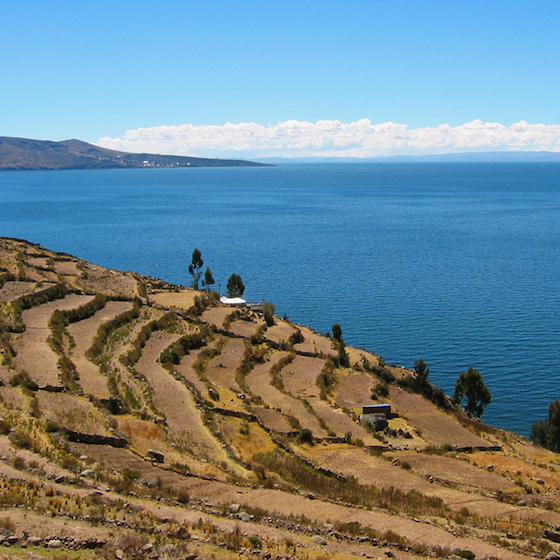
(21, 440)
(22, 379)
(306, 436)
(268, 311)
(255, 542)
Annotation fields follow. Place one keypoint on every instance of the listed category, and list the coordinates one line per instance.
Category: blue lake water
(457, 264)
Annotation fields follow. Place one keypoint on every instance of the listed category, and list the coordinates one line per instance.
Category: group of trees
(195, 269)
(470, 390)
(235, 286)
(472, 393)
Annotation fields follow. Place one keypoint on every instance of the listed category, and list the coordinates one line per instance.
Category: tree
(235, 286)
(547, 432)
(422, 371)
(195, 268)
(337, 331)
(208, 279)
(341, 346)
(471, 386)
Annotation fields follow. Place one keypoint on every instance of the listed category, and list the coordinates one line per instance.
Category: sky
(305, 78)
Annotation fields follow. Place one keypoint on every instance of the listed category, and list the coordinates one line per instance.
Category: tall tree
(337, 331)
(471, 386)
(208, 279)
(195, 268)
(341, 346)
(235, 286)
(422, 371)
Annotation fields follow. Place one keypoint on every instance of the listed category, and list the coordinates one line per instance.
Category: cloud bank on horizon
(332, 138)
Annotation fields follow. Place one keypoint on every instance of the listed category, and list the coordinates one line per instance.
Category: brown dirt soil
(14, 398)
(74, 413)
(145, 436)
(9, 453)
(273, 420)
(92, 381)
(300, 377)
(217, 315)
(5, 374)
(67, 268)
(185, 368)
(340, 423)
(13, 290)
(246, 328)
(456, 471)
(181, 300)
(314, 343)
(515, 467)
(220, 371)
(47, 527)
(120, 345)
(354, 391)
(280, 332)
(35, 356)
(379, 472)
(175, 402)
(357, 356)
(109, 282)
(259, 383)
(436, 426)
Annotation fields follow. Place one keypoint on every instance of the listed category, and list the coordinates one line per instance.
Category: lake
(457, 264)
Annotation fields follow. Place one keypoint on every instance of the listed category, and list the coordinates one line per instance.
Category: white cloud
(324, 138)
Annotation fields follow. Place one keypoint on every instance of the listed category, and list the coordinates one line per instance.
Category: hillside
(144, 420)
(23, 153)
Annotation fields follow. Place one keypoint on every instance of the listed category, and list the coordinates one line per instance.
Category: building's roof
(232, 300)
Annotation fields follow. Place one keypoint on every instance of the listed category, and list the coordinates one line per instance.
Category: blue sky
(291, 77)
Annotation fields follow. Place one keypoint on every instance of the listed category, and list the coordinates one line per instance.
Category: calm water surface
(457, 264)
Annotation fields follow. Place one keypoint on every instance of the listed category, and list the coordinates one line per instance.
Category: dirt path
(92, 381)
(35, 356)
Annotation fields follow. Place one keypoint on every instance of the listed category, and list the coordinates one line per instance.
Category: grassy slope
(239, 470)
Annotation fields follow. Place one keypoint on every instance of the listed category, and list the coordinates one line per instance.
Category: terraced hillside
(144, 420)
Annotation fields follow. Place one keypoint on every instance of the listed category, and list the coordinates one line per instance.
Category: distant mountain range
(489, 157)
(23, 153)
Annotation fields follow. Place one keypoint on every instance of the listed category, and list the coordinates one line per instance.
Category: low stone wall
(96, 439)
